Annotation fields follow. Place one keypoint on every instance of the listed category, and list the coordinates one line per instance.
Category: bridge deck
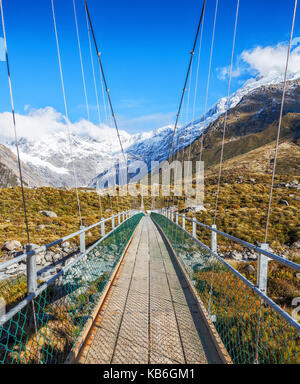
(150, 315)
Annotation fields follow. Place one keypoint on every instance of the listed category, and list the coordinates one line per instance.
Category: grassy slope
(62, 202)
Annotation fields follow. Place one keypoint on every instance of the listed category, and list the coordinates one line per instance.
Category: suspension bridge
(148, 290)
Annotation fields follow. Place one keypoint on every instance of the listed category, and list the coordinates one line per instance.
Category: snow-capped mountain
(155, 145)
(95, 149)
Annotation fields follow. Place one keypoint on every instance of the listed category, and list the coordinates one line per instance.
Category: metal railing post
(194, 229)
(31, 271)
(119, 218)
(183, 221)
(214, 244)
(177, 218)
(102, 227)
(262, 270)
(82, 240)
(172, 216)
(123, 216)
(113, 221)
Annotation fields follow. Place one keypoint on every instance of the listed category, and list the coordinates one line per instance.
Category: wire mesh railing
(45, 330)
(252, 327)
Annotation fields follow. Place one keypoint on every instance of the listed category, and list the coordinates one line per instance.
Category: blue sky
(145, 49)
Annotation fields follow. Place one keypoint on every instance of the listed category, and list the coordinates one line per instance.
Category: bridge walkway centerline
(150, 315)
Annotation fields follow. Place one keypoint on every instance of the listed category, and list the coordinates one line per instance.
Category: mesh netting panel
(46, 329)
(251, 330)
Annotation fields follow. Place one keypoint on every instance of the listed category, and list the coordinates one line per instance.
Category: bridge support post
(177, 218)
(119, 218)
(82, 240)
(194, 229)
(31, 271)
(172, 216)
(183, 221)
(123, 216)
(113, 221)
(214, 243)
(102, 228)
(262, 269)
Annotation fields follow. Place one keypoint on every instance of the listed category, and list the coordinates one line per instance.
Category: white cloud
(46, 121)
(38, 123)
(264, 61)
(224, 72)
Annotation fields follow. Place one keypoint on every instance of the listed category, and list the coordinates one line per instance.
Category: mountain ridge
(49, 155)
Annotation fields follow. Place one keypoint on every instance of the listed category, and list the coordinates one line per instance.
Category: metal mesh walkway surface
(150, 315)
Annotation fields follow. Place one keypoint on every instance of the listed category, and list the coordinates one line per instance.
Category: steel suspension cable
(93, 67)
(66, 112)
(104, 79)
(227, 108)
(186, 79)
(113, 116)
(187, 112)
(81, 62)
(209, 74)
(15, 125)
(197, 79)
(19, 163)
(280, 120)
(95, 88)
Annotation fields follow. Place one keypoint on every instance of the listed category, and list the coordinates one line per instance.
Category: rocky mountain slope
(253, 116)
(9, 171)
(252, 124)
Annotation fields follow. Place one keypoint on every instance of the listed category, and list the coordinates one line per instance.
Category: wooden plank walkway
(150, 316)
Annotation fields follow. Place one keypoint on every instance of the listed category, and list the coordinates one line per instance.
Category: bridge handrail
(40, 289)
(271, 255)
(269, 301)
(45, 247)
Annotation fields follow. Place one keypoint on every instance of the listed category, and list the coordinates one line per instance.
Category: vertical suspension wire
(15, 125)
(93, 67)
(81, 62)
(185, 123)
(83, 75)
(186, 79)
(66, 112)
(197, 79)
(280, 121)
(95, 88)
(171, 151)
(227, 108)
(209, 74)
(113, 116)
(19, 165)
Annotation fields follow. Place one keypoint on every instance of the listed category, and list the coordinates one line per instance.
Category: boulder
(11, 245)
(284, 202)
(56, 257)
(65, 245)
(296, 245)
(48, 213)
(235, 255)
(250, 269)
(48, 257)
(42, 226)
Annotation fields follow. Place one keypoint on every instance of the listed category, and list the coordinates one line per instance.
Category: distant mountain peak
(49, 155)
